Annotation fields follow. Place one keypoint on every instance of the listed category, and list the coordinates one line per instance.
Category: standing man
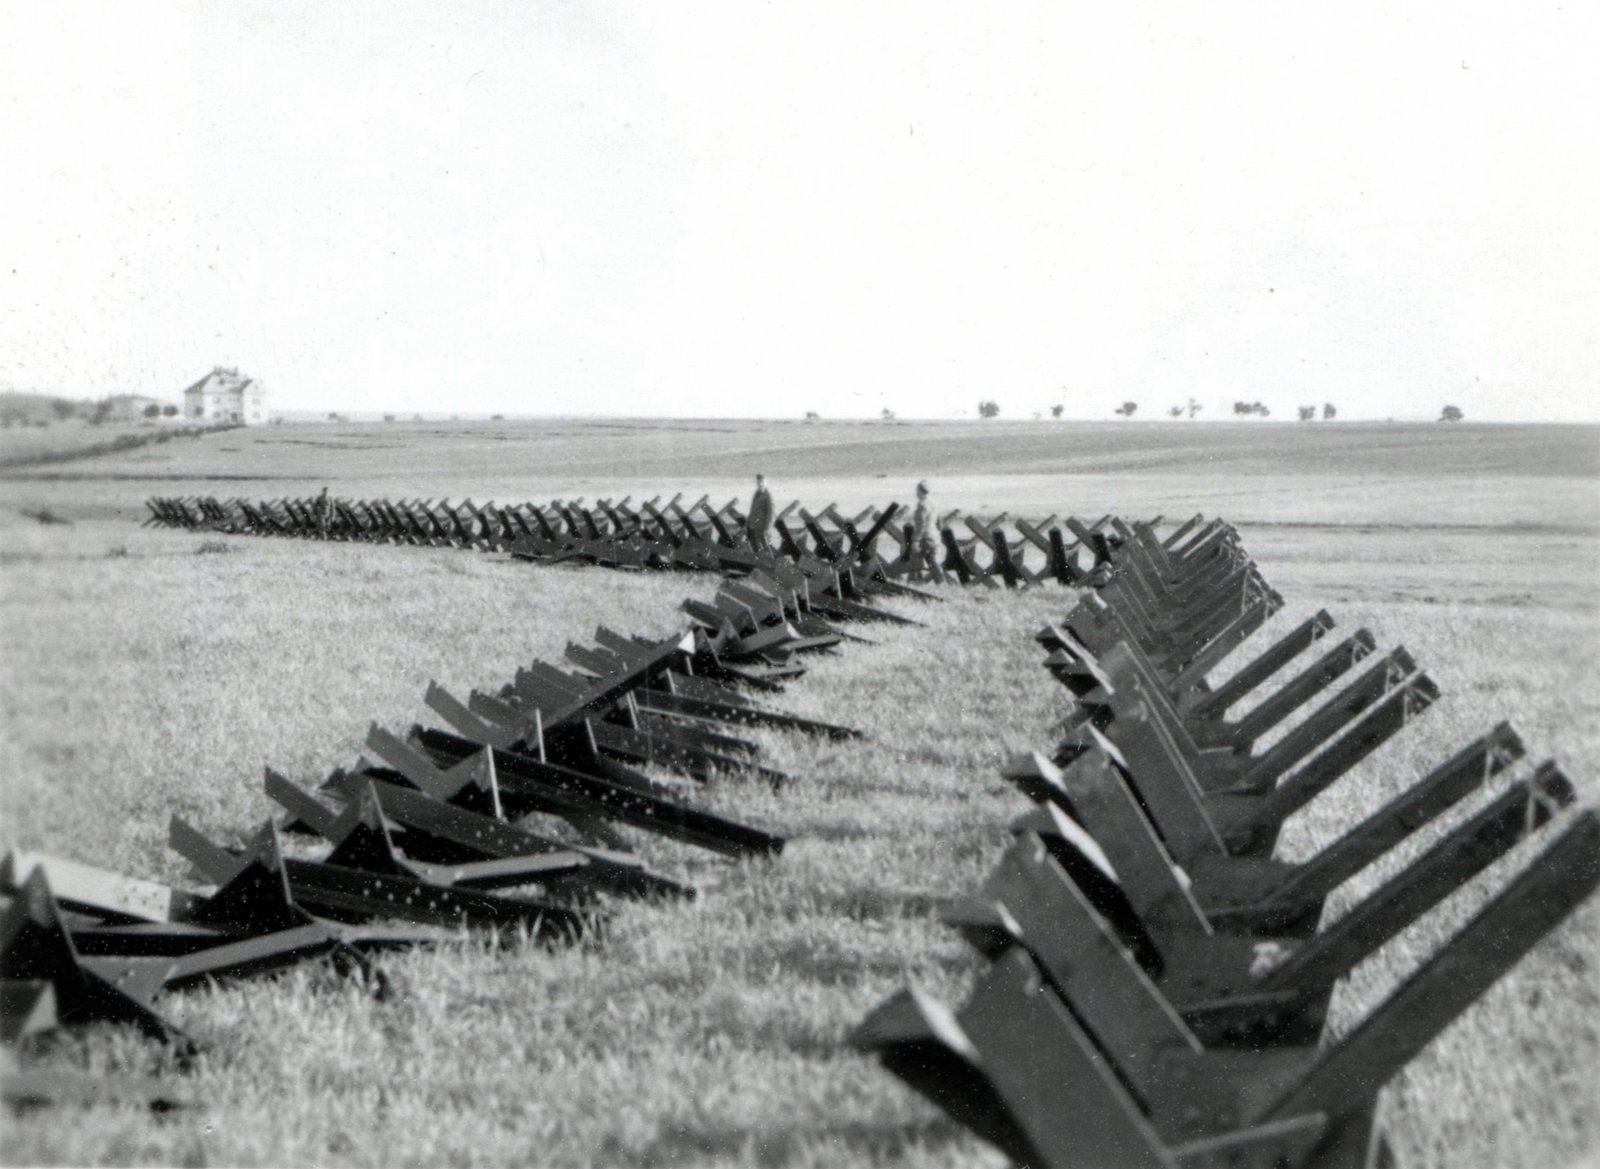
(922, 534)
(759, 522)
(324, 512)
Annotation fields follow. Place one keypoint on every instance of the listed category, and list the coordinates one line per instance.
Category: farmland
(142, 677)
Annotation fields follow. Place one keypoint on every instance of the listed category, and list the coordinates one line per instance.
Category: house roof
(220, 380)
(223, 381)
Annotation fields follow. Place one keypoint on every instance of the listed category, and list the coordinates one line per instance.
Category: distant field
(1349, 473)
(74, 437)
(138, 678)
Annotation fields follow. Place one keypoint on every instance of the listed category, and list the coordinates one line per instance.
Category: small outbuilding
(223, 395)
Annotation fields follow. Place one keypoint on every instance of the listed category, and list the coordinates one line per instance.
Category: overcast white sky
(743, 209)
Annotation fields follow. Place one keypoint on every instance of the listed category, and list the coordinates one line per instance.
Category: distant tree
(1175, 411)
(1262, 410)
(887, 415)
(813, 416)
(1328, 412)
(416, 418)
(1126, 409)
(169, 411)
(63, 409)
(989, 409)
(1194, 407)
(1055, 411)
(332, 416)
(153, 410)
(388, 417)
(1243, 409)
(497, 418)
(1451, 414)
(1307, 413)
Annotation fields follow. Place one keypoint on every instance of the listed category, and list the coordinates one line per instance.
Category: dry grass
(161, 681)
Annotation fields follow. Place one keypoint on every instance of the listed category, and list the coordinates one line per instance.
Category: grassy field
(142, 677)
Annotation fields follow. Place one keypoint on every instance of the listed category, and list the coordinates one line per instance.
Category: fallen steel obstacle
(846, 558)
(1159, 983)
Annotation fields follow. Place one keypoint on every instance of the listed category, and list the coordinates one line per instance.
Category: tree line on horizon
(24, 409)
(989, 408)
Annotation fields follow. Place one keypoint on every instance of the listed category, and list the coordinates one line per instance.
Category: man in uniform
(759, 522)
(923, 538)
(324, 512)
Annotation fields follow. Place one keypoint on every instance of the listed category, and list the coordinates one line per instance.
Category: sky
(762, 210)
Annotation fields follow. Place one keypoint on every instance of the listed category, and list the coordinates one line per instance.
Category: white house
(224, 396)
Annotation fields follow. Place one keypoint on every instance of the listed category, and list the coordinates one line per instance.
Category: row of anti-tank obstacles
(422, 840)
(526, 791)
(1006, 549)
(1158, 983)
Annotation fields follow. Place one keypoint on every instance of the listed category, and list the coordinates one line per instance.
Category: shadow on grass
(680, 1143)
(865, 903)
(828, 965)
(890, 787)
(943, 757)
(834, 831)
